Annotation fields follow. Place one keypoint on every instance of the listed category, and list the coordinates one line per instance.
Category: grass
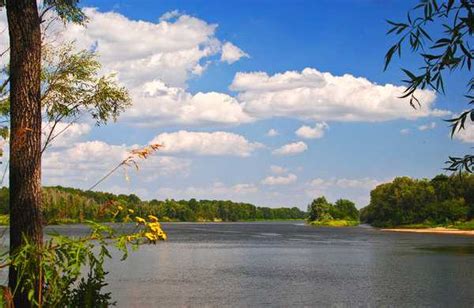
(334, 223)
(465, 225)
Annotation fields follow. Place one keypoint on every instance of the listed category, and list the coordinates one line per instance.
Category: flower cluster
(152, 231)
(148, 229)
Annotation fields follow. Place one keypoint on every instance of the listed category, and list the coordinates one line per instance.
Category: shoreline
(436, 230)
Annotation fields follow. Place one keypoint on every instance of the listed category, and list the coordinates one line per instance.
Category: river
(289, 264)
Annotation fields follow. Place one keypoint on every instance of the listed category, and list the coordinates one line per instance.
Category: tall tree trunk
(25, 140)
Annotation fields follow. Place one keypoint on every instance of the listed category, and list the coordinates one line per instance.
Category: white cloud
(279, 180)
(312, 132)
(355, 189)
(166, 54)
(157, 104)
(429, 126)
(203, 143)
(232, 53)
(405, 131)
(364, 183)
(67, 134)
(272, 132)
(170, 15)
(278, 169)
(291, 148)
(314, 95)
(84, 163)
(141, 51)
(155, 61)
(465, 135)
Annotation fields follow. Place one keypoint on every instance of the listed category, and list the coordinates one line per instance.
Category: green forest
(441, 201)
(71, 205)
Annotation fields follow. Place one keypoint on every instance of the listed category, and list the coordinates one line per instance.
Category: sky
(269, 102)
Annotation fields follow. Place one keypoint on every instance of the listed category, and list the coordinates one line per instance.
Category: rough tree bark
(25, 140)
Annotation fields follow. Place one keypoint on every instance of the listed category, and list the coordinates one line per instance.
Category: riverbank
(436, 230)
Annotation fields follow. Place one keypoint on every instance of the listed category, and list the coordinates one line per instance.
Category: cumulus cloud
(203, 143)
(291, 148)
(405, 131)
(365, 183)
(355, 189)
(157, 104)
(141, 51)
(65, 134)
(428, 126)
(154, 60)
(278, 169)
(231, 53)
(85, 162)
(311, 94)
(279, 180)
(272, 132)
(315, 132)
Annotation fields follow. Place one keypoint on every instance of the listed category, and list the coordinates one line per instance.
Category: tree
(25, 131)
(441, 200)
(449, 52)
(345, 209)
(319, 209)
(25, 123)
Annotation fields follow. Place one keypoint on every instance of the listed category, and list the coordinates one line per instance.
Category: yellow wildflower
(154, 226)
(152, 218)
(151, 237)
(140, 220)
(131, 211)
(120, 208)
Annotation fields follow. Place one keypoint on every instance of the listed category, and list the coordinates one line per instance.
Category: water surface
(283, 264)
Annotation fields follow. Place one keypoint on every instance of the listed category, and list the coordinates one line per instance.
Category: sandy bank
(438, 230)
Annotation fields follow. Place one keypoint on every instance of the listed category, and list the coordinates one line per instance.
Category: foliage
(67, 10)
(58, 263)
(442, 200)
(450, 51)
(66, 205)
(342, 213)
(72, 87)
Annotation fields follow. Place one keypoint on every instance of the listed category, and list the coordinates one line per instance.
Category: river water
(285, 264)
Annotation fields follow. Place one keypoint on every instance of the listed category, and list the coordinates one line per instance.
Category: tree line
(71, 205)
(441, 200)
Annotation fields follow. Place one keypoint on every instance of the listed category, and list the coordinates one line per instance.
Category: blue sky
(345, 149)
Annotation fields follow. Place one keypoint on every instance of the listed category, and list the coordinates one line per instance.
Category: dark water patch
(455, 250)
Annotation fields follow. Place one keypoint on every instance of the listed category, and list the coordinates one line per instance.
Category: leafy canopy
(441, 52)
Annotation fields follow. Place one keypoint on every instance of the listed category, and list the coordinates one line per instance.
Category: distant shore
(436, 230)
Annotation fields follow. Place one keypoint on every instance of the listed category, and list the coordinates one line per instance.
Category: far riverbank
(437, 230)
